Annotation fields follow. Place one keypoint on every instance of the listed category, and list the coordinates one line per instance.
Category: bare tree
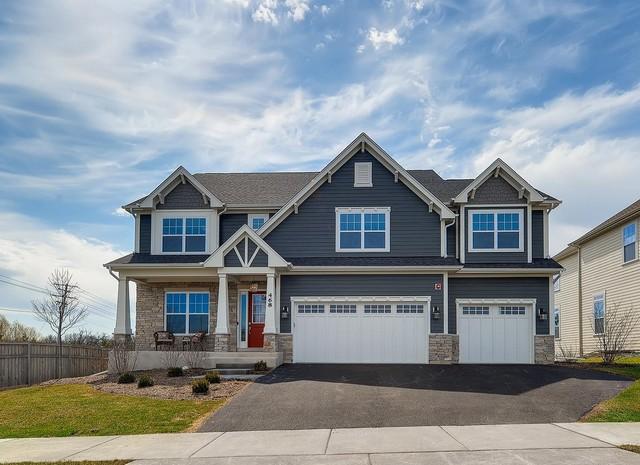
(61, 309)
(612, 334)
(17, 332)
(193, 358)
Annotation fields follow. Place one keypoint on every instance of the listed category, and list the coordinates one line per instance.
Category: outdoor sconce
(435, 313)
(542, 314)
(284, 312)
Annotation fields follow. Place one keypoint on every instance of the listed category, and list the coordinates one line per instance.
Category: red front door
(257, 309)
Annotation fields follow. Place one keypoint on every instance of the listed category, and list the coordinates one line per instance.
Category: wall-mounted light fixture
(435, 312)
(284, 312)
(543, 314)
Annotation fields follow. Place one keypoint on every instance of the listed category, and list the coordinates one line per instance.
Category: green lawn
(80, 410)
(626, 405)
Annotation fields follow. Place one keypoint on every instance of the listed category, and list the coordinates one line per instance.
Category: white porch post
(123, 312)
(222, 318)
(270, 313)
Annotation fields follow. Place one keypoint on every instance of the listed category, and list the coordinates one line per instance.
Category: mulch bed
(176, 388)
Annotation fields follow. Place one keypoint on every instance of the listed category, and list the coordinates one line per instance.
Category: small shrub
(145, 381)
(213, 377)
(174, 372)
(126, 378)
(200, 386)
(260, 366)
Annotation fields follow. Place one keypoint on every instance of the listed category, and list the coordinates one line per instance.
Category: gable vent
(362, 175)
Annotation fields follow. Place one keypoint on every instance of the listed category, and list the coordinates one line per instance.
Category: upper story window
(362, 229)
(256, 220)
(556, 323)
(362, 175)
(496, 231)
(184, 235)
(599, 309)
(629, 242)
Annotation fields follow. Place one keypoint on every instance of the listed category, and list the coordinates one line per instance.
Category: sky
(100, 101)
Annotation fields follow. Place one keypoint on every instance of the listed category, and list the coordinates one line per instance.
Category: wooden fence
(23, 363)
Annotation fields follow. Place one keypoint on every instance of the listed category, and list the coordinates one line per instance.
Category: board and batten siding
(566, 300)
(603, 270)
(500, 288)
(360, 285)
(415, 232)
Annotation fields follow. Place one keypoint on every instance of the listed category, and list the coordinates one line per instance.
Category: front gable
(414, 225)
(183, 196)
(245, 249)
(496, 190)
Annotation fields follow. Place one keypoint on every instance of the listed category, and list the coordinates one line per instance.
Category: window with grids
(629, 243)
(342, 308)
(187, 312)
(475, 310)
(599, 310)
(310, 308)
(556, 323)
(410, 308)
(512, 310)
(184, 234)
(364, 229)
(377, 308)
(496, 230)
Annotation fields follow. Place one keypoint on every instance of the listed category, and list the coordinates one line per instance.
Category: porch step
(242, 359)
(234, 367)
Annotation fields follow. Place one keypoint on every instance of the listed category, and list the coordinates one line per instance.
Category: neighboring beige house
(601, 272)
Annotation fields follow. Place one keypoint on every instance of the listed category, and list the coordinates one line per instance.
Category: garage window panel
(475, 310)
(310, 308)
(377, 308)
(512, 310)
(342, 308)
(410, 308)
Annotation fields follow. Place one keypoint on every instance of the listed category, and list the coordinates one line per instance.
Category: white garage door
(495, 333)
(360, 329)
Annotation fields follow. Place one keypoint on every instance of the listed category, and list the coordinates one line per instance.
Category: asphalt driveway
(305, 396)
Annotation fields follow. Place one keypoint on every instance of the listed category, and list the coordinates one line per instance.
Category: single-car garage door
(360, 329)
(495, 332)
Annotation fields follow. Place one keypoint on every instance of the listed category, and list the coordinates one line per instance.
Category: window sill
(630, 262)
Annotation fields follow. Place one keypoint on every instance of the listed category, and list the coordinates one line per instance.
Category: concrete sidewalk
(565, 443)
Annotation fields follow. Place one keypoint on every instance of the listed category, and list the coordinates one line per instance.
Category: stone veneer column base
(221, 343)
(270, 342)
(443, 348)
(545, 351)
(285, 345)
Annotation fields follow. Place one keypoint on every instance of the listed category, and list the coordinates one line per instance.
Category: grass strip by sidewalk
(625, 406)
(81, 410)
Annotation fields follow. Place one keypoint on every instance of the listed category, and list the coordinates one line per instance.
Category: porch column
(123, 312)
(222, 318)
(270, 313)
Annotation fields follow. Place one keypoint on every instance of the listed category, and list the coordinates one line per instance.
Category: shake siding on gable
(495, 191)
(603, 270)
(312, 232)
(566, 299)
(183, 196)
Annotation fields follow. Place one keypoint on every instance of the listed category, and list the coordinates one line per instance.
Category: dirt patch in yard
(176, 388)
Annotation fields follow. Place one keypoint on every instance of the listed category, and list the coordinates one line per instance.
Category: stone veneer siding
(285, 345)
(150, 311)
(443, 348)
(544, 350)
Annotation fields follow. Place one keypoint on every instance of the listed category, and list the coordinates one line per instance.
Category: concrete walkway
(566, 443)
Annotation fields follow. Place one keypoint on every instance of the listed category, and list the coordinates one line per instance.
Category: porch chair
(195, 341)
(164, 338)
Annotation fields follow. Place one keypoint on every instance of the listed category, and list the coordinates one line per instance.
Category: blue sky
(99, 101)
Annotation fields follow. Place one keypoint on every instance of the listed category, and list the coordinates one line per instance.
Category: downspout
(580, 330)
(446, 237)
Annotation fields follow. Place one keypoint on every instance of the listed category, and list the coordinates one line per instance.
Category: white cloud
(384, 38)
(266, 12)
(324, 10)
(31, 250)
(297, 9)
(120, 212)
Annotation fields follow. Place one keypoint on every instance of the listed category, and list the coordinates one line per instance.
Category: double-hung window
(496, 231)
(556, 323)
(184, 235)
(187, 312)
(362, 229)
(599, 309)
(629, 242)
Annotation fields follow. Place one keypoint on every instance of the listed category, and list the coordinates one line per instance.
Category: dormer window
(362, 175)
(181, 235)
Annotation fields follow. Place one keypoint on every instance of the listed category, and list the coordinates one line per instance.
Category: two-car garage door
(360, 329)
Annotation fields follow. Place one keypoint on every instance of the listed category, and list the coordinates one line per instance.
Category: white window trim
(251, 216)
(636, 243)
(602, 294)
(495, 213)
(362, 211)
(355, 178)
(186, 315)
(211, 237)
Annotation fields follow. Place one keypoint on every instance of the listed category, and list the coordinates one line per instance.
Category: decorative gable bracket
(239, 244)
